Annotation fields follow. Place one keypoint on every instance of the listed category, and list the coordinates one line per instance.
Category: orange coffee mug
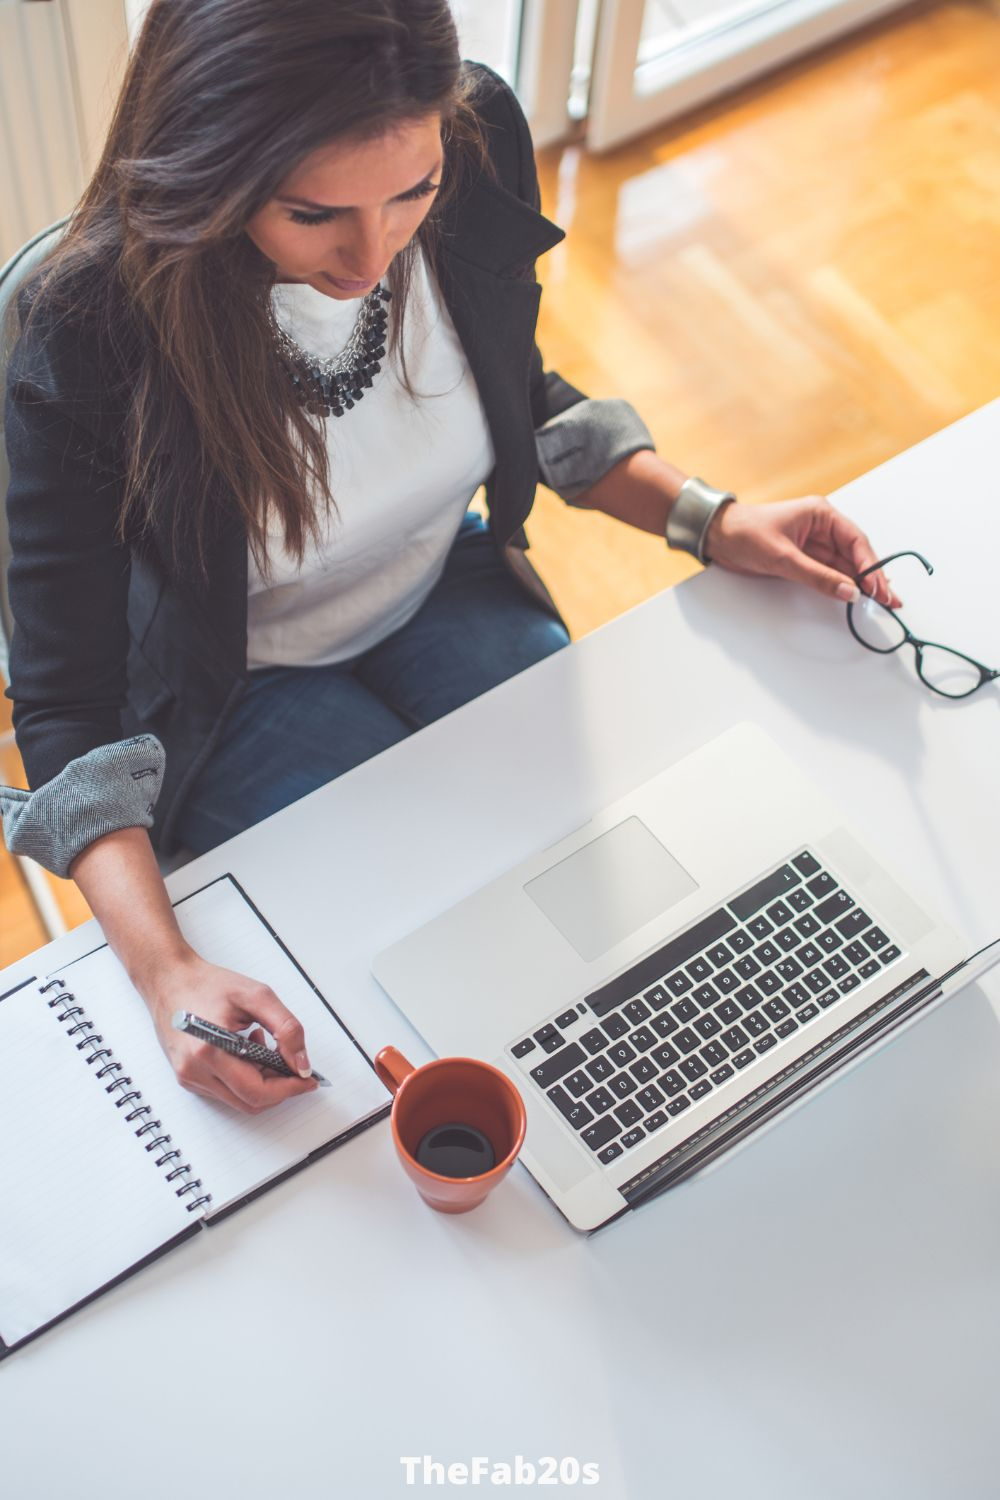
(452, 1091)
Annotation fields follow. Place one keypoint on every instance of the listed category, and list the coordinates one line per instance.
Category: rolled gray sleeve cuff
(579, 446)
(114, 786)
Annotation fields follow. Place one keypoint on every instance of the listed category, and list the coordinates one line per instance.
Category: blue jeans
(296, 728)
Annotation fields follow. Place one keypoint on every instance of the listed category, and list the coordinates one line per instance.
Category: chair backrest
(12, 275)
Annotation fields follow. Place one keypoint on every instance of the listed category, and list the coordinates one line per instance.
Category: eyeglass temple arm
(887, 560)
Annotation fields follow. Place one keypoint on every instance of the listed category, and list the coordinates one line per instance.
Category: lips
(347, 286)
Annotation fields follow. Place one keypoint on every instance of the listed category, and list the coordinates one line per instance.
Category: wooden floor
(791, 287)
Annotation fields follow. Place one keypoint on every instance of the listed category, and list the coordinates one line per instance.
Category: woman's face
(337, 221)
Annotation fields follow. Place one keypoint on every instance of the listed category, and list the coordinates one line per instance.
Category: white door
(654, 59)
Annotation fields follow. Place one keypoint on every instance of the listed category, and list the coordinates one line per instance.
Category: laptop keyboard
(706, 1007)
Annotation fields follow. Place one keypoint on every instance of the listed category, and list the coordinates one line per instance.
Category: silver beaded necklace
(332, 384)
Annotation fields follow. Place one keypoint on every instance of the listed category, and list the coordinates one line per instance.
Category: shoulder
(505, 129)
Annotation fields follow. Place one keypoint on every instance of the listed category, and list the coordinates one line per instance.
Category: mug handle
(393, 1068)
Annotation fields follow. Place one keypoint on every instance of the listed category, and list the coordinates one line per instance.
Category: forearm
(122, 884)
(639, 491)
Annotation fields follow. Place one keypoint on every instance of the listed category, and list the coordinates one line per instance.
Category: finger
(853, 544)
(799, 567)
(287, 1031)
(258, 1092)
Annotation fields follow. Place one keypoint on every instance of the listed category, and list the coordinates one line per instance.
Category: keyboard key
(788, 968)
(700, 1089)
(565, 1061)
(868, 969)
(747, 967)
(636, 1011)
(707, 1025)
(714, 1054)
(799, 900)
(816, 981)
(548, 1038)
(768, 982)
(856, 952)
(779, 913)
(764, 892)
(764, 1042)
(649, 1097)
(665, 1056)
(685, 1010)
(671, 1083)
(521, 1049)
(633, 1137)
(720, 955)
(830, 940)
(600, 1068)
(727, 981)
(643, 1039)
(876, 939)
(836, 966)
(707, 994)
(721, 1074)
(821, 884)
(643, 1070)
(806, 1013)
(686, 1039)
(622, 1085)
(654, 1121)
(786, 1027)
(809, 954)
(807, 926)
(649, 970)
(834, 906)
(699, 968)
(806, 864)
(599, 1101)
(742, 1058)
(760, 927)
(621, 1053)
(851, 982)
(749, 998)
(755, 1023)
(797, 994)
(776, 1009)
(740, 941)
(602, 1131)
(766, 952)
(827, 999)
(729, 1011)
(578, 1084)
(657, 996)
(679, 983)
(665, 1024)
(734, 1038)
(787, 939)
(609, 1153)
(614, 1026)
(567, 1018)
(577, 1114)
(677, 1105)
(692, 1068)
(856, 921)
(889, 954)
(594, 1040)
(628, 1112)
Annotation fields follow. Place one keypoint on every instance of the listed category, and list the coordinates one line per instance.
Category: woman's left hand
(806, 541)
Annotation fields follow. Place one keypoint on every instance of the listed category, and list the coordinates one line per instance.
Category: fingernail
(848, 592)
(302, 1063)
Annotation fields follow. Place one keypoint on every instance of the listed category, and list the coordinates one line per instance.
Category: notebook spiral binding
(71, 1011)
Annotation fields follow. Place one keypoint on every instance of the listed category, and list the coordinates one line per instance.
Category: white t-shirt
(402, 474)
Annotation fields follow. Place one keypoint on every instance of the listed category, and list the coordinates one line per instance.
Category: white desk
(817, 1318)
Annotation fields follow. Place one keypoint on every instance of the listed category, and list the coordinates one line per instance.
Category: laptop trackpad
(607, 890)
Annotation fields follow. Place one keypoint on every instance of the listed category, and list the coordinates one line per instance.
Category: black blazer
(107, 641)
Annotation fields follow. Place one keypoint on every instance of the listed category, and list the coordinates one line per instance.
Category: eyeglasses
(950, 673)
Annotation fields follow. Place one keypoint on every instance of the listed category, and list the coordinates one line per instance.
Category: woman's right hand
(235, 1002)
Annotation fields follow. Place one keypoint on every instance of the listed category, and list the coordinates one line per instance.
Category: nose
(364, 253)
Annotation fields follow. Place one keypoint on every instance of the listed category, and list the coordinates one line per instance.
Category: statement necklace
(330, 386)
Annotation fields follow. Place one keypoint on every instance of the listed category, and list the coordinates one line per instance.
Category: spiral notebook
(105, 1161)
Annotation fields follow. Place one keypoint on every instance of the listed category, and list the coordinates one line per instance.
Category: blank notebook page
(232, 1152)
(80, 1200)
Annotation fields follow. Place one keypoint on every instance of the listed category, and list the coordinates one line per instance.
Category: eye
(422, 190)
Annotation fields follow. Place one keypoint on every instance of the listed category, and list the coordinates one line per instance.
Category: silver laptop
(677, 973)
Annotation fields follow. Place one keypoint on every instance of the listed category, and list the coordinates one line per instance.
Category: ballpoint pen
(238, 1045)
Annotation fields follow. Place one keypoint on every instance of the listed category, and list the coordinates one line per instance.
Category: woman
(287, 334)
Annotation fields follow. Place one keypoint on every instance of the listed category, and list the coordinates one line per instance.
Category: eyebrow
(346, 208)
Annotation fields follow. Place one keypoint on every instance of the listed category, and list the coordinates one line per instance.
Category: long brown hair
(221, 100)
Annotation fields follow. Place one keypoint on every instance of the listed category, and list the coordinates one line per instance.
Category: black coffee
(455, 1151)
